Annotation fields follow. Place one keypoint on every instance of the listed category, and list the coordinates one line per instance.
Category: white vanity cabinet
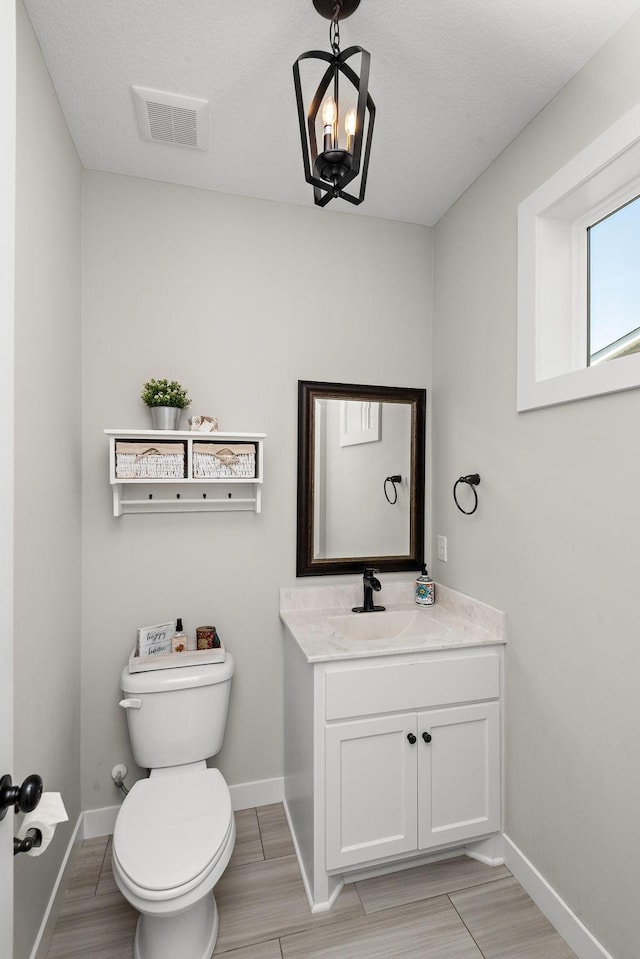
(398, 757)
(410, 782)
(403, 779)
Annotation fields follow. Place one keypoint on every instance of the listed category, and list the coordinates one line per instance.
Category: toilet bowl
(175, 831)
(172, 841)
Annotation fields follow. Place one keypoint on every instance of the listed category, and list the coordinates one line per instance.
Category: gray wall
(554, 541)
(233, 298)
(47, 467)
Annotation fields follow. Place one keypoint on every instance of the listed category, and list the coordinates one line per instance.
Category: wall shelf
(188, 493)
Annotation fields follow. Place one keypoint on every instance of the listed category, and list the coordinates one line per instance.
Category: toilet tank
(177, 715)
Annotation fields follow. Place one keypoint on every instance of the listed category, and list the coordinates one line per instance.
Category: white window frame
(552, 271)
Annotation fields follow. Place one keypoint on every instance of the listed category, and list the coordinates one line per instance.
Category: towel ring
(472, 480)
(393, 480)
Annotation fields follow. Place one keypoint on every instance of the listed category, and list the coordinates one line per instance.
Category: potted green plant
(166, 400)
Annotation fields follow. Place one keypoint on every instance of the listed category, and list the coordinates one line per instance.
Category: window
(579, 274)
(614, 284)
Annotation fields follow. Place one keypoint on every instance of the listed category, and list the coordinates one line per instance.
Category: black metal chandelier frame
(331, 170)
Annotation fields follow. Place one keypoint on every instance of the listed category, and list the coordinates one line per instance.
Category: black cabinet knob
(411, 738)
(25, 797)
(426, 737)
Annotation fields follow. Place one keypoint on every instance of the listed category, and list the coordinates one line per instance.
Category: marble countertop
(454, 621)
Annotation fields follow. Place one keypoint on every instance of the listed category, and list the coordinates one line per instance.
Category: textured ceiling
(454, 81)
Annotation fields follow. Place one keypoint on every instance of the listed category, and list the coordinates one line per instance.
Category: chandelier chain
(334, 28)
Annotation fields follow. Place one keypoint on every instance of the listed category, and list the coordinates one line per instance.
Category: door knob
(25, 797)
(426, 737)
(411, 738)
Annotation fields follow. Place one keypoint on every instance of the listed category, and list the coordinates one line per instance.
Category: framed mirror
(361, 469)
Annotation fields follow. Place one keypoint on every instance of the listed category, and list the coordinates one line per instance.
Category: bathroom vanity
(392, 731)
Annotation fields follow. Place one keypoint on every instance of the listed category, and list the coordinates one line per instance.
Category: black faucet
(371, 584)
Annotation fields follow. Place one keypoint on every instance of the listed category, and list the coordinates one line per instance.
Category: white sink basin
(385, 625)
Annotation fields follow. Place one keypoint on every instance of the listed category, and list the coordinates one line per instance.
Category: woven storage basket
(141, 461)
(217, 461)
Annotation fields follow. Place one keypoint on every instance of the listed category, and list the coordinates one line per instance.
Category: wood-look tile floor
(457, 909)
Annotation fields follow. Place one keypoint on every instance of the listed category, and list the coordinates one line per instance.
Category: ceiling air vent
(172, 118)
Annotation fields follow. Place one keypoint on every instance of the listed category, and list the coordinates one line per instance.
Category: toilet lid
(171, 828)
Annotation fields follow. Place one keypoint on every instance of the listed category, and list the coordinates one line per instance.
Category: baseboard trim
(99, 822)
(296, 849)
(490, 851)
(263, 792)
(573, 931)
(43, 939)
(314, 907)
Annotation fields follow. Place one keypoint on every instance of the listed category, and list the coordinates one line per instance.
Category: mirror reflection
(358, 510)
(360, 477)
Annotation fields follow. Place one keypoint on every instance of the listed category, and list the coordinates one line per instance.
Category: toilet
(175, 830)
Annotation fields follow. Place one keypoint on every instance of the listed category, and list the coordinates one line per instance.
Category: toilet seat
(172, 831)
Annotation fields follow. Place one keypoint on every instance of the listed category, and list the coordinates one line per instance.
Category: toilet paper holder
(30, 841)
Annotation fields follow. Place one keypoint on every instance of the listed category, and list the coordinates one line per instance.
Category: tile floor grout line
(104, 855)
(362, 905)
(437, 895)
(477, 944)
(100, 867)
(102, 873)
(264, 855)
(104, 858)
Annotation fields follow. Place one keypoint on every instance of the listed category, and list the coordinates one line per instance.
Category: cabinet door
(371, 789)
(458, 773)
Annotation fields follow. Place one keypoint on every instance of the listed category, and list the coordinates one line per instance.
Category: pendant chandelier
(337, 125)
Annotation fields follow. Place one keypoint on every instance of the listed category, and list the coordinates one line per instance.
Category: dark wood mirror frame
(308, 392)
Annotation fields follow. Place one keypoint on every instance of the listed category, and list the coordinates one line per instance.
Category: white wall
(47, 467)
(555, 538)
(229, 296)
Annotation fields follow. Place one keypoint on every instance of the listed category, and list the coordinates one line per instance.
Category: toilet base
(191, 934)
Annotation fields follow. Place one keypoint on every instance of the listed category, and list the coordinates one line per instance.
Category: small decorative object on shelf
(155, 640)
(179, 643)
(207, 637)
(166, 400)
(203, 424)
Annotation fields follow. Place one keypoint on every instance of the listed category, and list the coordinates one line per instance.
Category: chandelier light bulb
(350, 127)
(350, 123)
(329, 112)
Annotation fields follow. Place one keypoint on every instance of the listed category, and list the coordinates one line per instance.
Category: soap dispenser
(425, 589)
(179, 642)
